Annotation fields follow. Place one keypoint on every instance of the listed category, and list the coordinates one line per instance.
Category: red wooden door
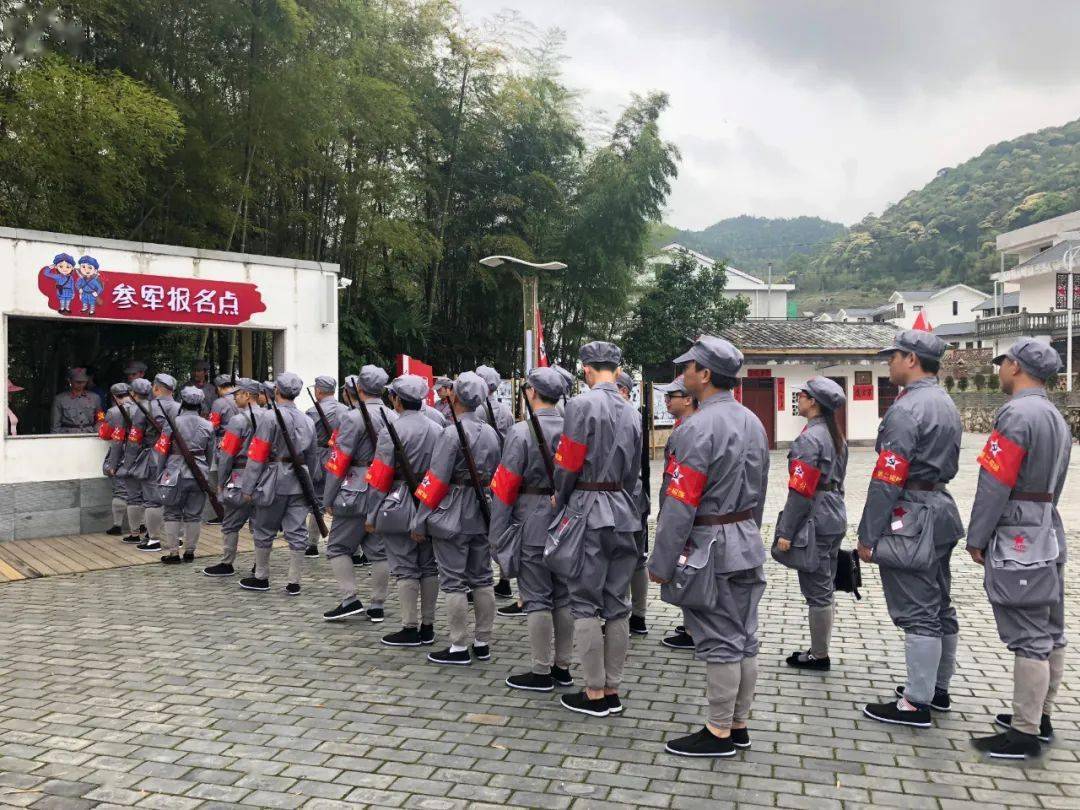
(758, 396)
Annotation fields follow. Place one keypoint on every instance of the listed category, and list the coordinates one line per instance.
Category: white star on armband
(995, 447)
(891, 462)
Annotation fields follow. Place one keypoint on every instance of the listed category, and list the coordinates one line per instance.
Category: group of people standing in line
(560, 502)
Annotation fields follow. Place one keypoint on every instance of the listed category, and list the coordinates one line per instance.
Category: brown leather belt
(1035, 497)
(536, 491)
(925, 486)
(832, 486)
(723, 520)
(598, 486)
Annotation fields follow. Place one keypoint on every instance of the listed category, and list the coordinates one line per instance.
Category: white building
(766, 300)
(53, 484)
(951, 305)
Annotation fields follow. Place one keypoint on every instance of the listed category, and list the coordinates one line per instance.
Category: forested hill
(945, 231)
(751, 243)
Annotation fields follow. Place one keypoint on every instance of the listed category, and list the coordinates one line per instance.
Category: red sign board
(410, 365)
(780, 394)
(862, 393)
(81, 290)
(759, 372)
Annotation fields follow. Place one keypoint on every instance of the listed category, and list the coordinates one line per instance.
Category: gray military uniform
(920, 434)
(324, 441)
(504, 417)
(461, 542)
(435, 415)
(127, 459)
(184, 509)
(231, 463)
(601, 445)
(209, 394)
(114, 432)
(153, 462)
(221, 411)
(1015, 520)
(271, 481)
(75, 414)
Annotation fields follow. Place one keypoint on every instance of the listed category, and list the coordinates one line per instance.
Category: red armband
(332, 442)
(670, 466)
(380, 475)
(135, 435)
(338, 463)
(215, 419)
(431, 490)
(118, 433)
(892, 468)
(1002, 458)
(570, 455)
(803, 478)
(230, 443)
(105, 431)
(259, 450)
(687, 484)
(505, 485)
(163, 444)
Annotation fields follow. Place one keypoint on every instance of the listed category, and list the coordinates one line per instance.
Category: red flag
(541, 349)
(922, 323)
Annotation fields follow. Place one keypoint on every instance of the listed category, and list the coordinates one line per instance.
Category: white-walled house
(951, 305)
(766, 301)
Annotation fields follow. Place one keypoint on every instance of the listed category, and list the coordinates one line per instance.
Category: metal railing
(1025, 323)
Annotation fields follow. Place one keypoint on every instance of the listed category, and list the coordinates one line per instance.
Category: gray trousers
(817, 586)
(190, 506)
(1034, 632)
(920, 602)
(409, 559)
(133, 492)
(546, 626)
(235, 518)
(538, 588)
(464, 563)
(604, 585)
(730, 690)
(346, 535)
(287, 514)
(153, 515)
(727, 632)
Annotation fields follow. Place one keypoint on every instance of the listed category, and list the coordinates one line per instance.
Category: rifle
(545, 452)
(322, 415)
(346, 396)
(474, 476)
(491, 416)
(368, 426)
(399, 453)
(123, 413)
(192, 464)
(300, 470)
(150, 423)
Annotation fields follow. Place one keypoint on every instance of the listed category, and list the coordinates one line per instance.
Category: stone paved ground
(161, 688)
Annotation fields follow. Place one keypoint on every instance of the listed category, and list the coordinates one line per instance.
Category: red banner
(861, 393)
(81, 290)
(759, 373)
(541, 349)
(410, 365)
(781, 400)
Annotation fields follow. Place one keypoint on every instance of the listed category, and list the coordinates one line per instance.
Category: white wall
(762, 303)
(1038, 293)
(940, 310)
(292, 291)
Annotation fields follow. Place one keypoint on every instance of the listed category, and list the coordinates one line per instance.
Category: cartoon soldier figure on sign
(62, 272)
(88, 284)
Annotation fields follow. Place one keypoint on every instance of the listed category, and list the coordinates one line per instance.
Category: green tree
(685, 301)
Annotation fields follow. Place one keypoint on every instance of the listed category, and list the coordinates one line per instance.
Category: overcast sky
(825, 108)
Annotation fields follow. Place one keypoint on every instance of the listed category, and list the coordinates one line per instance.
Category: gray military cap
(249, 385)
(222, 380)
(548, 383)
(372, 380)
(567, 377)
(1038, 359)
(289, 384)
(471, 389)
(142, 387)
(78, 375)
(410, 387)
(120, 389)
(489, 376)
(135, 367)
(190, 395)
(922, 344)
(600, 351)
(324, 382)
(443, 382)
(166, 380)
(624, 380)
(268, 387)
(676, 386)
(827, 393)
(714, 353)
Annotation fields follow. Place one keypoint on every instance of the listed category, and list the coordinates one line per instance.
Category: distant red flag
(541, 349)
(922, 323)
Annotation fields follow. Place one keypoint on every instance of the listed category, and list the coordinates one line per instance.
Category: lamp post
(528, 274)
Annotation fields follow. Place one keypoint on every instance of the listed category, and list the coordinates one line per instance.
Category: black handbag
(848, 577)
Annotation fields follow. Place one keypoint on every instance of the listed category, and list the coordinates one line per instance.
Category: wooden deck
(78, 553)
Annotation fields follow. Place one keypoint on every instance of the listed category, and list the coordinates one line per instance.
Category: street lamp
(528, 274)
(1070, 257)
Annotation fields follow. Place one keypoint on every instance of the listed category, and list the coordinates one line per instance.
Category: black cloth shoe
(360, 559)
(583, 704)
(614, 705)
(460, 659)
(1011, 744)
(679, 641)
(311, 551)
(214, 521)
(255, 584)
(219, 570)
(513, 609)
(502, 589)
(427, 634)
(531, 682)
(481, 652)
(1046, 729)
(292, 588)
(147, 545)
(562, 677)
(891, 713)
(115, 531)
(171, 559)
(740, 737)
(801, 660)
(939, 702)
(344, 611)
(405, 637)
(132, 538)
(701, 744)
(189, 556)
(638, 626)
(375, 615)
